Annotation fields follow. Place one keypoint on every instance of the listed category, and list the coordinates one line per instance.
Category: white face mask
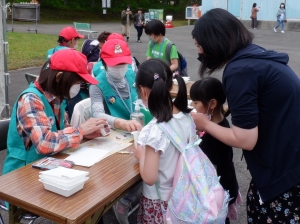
(117, 71)
(74, 90)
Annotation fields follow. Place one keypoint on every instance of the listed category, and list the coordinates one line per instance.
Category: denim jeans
(278, 24)
(131, 196)
(139, 31)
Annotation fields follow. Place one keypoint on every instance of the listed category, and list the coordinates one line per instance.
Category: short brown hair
(103, 36)
(60, 88)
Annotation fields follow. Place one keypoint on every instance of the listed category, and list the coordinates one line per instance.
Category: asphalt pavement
(288, 42)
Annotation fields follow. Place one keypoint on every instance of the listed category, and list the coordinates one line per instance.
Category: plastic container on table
(64, 192)
(64, 185)
(63, 175)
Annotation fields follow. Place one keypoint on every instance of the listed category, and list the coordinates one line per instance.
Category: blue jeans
(278, 24)
(130, 197)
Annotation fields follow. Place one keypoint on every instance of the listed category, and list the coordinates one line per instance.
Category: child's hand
(200, 120)
(139, 152)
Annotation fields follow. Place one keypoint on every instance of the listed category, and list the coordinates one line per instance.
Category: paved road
(181, 36)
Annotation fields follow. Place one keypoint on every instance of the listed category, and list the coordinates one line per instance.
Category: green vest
(53, 50)
(117, 109)
(17, 156)
(98, 69)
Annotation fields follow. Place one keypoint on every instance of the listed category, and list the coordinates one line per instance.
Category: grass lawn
(29, 49)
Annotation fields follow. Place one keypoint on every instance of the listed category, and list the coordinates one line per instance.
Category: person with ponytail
(156, 154)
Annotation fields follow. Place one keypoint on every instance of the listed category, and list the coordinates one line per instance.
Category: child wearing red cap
(39, 124)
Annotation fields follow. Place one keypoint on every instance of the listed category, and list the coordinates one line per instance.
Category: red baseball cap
(72, 61)
(116, 52)
(69, 33)
(115, 36)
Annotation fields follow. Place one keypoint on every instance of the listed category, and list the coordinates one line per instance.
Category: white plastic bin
(63, 192)
(63, 185)
(63, 175)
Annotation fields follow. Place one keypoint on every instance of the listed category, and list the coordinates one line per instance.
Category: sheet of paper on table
(92, 151)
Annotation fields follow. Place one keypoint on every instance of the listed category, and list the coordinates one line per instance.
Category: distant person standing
(254, 11)
(281, 18)
(139, 21)
(126, 18)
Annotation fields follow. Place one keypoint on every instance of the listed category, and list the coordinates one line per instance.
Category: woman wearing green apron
(39, 124)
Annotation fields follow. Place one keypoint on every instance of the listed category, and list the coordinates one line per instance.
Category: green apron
(53, 50)
(17, 155)
(116, 107)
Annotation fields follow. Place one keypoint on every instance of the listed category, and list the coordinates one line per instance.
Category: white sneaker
(282, 31)
(275, 30)
(254, 28)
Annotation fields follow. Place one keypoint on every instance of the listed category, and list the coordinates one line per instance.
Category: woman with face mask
(255, 82)
(113, 97)
(126, 20)
(98, 67)
(281, 18)
(39, 125)
(68, 38)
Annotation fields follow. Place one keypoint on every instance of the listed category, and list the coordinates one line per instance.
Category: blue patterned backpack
(197, 195)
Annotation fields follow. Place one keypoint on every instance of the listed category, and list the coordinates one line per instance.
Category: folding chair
(3, 145)
(4, 124)
(30, 77)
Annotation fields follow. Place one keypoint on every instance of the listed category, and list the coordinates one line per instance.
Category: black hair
(104, 63)
(155, 27)
(282, 4)
(254, 5)
(206, 89)
(160, 101)
(61, 39)
(221, 35)
(127, 6)
(61, 87)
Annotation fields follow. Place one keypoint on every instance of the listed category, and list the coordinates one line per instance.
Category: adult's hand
(92, 125)
(93, 135)
(127, 125)
(200, 120)
(235, 136)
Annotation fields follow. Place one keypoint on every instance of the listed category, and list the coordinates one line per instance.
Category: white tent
(4, 76)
